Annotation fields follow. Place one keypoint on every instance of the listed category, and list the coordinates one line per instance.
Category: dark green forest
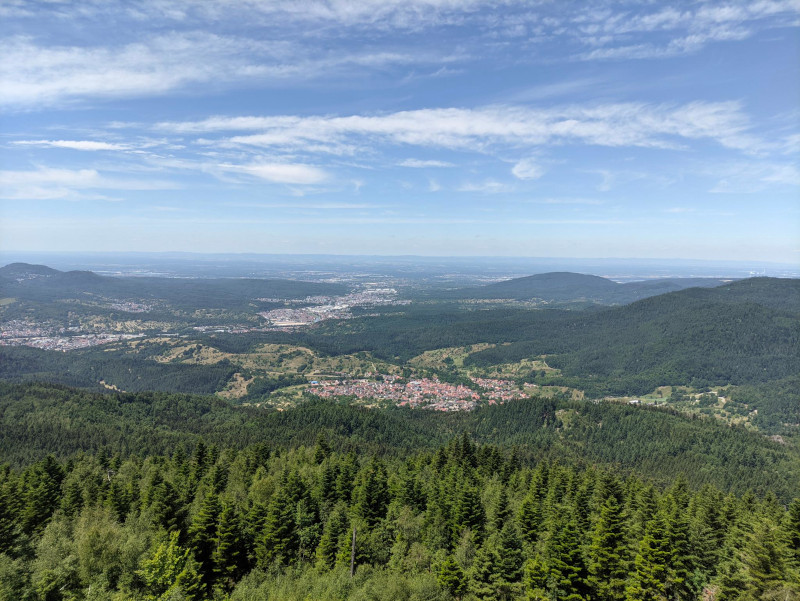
(461, 521)
(37, 420)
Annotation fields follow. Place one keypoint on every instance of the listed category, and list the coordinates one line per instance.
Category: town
(426, 393)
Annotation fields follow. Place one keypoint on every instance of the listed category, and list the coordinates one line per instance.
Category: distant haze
(456, 270)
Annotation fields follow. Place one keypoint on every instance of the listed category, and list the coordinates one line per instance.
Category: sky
(631, 128)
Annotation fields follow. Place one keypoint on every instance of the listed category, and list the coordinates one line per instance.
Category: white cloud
(619, 124)
(420, 164)
(142, 63)
(745, 178)
(50, 183)
(486, 187)
(678, 30)
(527, 169)
(282, 173)
(567, 201)
(73, 144)
(33, 74)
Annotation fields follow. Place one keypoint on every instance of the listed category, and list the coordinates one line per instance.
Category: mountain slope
(744, 332)
(42, 284)
(563, 287)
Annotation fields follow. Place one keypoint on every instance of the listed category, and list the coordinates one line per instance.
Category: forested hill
(41, 283)
(563, 287)
(739, 333)
(38, 419)
(156, 497)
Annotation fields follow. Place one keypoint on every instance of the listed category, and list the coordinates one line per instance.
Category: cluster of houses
(427, 393)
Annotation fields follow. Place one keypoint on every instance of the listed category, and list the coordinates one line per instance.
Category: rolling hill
(564, 287)
(43, 284)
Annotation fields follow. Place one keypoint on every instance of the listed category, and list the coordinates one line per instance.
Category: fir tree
(500, 511)
(372, 495)
(792, 528)
(229, 553)
(171, 568)
(203, 537)
(567, 573)
(322, 449)
(335, 528)
(608, 553)
(452, 578)
(649, 580)
(468, 512)
(279, 541)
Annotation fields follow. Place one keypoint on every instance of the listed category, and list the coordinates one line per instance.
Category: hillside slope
(564, 287)
(42, 284)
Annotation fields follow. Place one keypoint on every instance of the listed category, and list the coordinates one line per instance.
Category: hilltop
(44, 284)
(564, 287)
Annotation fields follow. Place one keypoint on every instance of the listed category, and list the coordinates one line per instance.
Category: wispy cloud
(282, 173)
(420, 164)
(202, 50)
(46, 183)
(528, 169)
(620, 124)
(33, 74)
(485, 187)
(89, 145)
(676, 29)
(746, 178)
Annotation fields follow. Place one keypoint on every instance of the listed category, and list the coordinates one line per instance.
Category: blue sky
(432, 127)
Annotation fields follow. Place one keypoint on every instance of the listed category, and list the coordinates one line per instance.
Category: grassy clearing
(236, 388)
(447, 357)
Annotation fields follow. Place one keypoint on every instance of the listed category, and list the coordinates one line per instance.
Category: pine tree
(536, 577)
(608, 553)
(510, 557)
(498, 566)
(322, 450)
(649, 580)
(792, 528)
(42, 494)
(190, 581)
(452, 578)
(764, 561)
(531, 511)
(500, 511)
(683, 563)
(707, 531)
(229, 553)
(567, 573)
(345, 477)
(371, 497)
(327, 484)
(171, 568)
(161, 500)
(335, 528)
(468, 512)
(279, 541)
(203, 537)
(9, 511)
(118, 501)
(72, 499)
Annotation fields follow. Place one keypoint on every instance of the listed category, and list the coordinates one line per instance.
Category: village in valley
(428, 393)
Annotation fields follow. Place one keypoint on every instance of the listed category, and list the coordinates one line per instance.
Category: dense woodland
(463, 522)
(37, 420)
